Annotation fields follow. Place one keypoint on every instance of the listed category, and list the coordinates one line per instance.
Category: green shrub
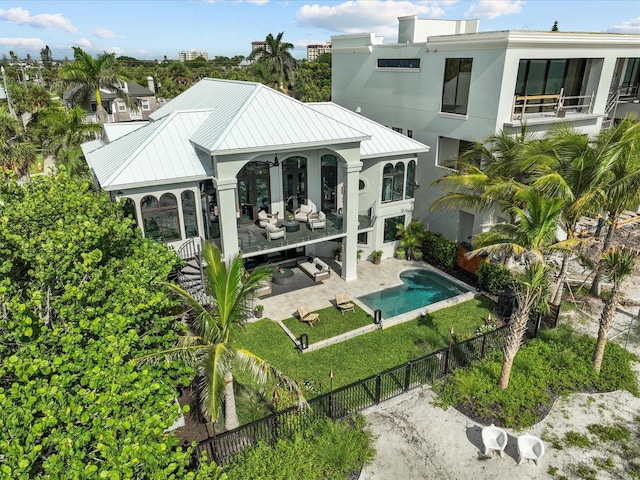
(610, 433)
(494, 278)
(576, 439)
(439, 250)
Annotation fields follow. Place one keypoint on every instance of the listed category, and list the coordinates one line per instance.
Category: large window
(393, 182)
(398, 63)
(210, 211)
(411, 179)
(391, 229)
(631, 77)
(160, 218)
(457, 80)
(189, 213)
(329, 172)
(294, 182)
(549, 77)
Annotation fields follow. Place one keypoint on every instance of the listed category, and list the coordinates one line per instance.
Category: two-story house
(447, 85)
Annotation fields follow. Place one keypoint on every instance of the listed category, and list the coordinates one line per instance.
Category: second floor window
(398, 63)
(144, 105)
(457, 80)
(393, 182)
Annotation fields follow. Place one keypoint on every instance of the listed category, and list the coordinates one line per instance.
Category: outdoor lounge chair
(265, 218)
(530, 447)
(317, 220)
(307, 316)
(343, 303)
(274, 233)
(494, 438)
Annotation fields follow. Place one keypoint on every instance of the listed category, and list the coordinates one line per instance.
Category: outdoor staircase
(190, 276)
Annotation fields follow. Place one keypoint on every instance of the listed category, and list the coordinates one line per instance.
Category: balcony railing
(553, 105)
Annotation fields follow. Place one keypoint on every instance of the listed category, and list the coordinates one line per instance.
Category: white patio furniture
(302, 214)
(274, 233)
(530, 448)
(265, 218)
(494, 438)
(317, 220)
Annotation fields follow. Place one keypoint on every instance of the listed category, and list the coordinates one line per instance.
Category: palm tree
(411, 236)
(275, 54)
(617, 265)
(619, 146)
(531, 289)
(208, 345)
(16, 153)
(89, 75)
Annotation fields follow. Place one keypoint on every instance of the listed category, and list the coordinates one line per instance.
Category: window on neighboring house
(457, 80)
(144, 105)
(393, 182)
(396, 129)
(363, 238)
(122, 107)
(451, 149)
(129, 209)
(410, 133)
(411, 179)
(398, 63)
(391, 228)
(189, 213)
(160, 218)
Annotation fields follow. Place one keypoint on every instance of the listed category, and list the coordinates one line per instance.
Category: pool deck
(371, 278)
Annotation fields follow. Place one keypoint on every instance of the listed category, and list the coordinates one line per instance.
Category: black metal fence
(353, 398)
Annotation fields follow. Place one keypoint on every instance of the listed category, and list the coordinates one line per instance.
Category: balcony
(544, 108)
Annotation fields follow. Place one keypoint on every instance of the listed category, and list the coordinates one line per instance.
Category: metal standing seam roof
(383, 142)
(159, 151)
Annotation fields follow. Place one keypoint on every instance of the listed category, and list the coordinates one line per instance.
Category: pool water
(421, 287)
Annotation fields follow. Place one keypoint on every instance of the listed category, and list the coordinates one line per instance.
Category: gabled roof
(157, 153)
(133, 89)
(251, 117)
(113, 131)
(383, 141)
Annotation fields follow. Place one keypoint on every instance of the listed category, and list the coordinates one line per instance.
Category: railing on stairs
(191, 253)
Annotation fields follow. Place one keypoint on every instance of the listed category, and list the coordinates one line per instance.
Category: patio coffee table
(293, 226)
(282, 276)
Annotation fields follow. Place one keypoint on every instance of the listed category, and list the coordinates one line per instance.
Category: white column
(350, 219)
(228, 218)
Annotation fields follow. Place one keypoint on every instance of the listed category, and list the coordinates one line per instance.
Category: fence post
(407, 376)
(446, 361)
(484, 343)
(378, 387)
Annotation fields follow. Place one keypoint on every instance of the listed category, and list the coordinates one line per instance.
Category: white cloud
(32, 43)
(44, 20)
(490, 9)
(83, 43)
(632, 26)
(105, 33)
(378, 16)
(116, 50)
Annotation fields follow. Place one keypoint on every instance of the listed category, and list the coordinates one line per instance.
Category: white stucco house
(230, 162)
(447, 85)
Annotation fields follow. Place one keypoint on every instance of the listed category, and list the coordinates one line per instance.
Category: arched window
(189, 213)
(129, 209)
(393, 182)
(411, 179)
(160, 218)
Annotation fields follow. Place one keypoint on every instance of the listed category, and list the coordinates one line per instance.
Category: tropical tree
(410, 236)
(208, 344)
(16, 152)
(275, 54)
(620, 147)
(617, 265)
(89, 75)
(531, 288)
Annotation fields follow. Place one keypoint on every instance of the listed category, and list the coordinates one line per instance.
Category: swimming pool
(421, 287)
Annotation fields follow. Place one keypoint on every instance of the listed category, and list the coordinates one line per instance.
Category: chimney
(150, 84)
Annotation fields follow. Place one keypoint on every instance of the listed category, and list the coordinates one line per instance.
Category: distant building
(314, 51)
(258, 45)
(192, 55)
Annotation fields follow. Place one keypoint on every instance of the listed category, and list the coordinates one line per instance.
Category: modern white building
(192, 54)
(232, 162)
(314, 51)
(447, 85)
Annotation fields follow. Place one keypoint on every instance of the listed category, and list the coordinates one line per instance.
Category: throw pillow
(318, 266)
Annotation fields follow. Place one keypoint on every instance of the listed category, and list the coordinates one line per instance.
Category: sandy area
(416, 440)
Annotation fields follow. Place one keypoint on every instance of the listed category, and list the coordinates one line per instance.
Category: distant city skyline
(152, 30)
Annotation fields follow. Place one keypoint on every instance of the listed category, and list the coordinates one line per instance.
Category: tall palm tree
(411, 236)
(620, 146)
(16, 152)
(89, 75)
(208, 345)
(617, 265)
(275, 54)
(531, 288)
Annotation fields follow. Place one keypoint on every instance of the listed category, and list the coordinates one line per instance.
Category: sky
(148, 29)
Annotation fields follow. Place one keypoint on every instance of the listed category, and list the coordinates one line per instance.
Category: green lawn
(367, 354)
(331, 323)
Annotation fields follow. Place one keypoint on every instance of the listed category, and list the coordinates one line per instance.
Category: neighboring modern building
(447, 85)
(211, 164)
(116, 108)
(192, 55)
(314, 51)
